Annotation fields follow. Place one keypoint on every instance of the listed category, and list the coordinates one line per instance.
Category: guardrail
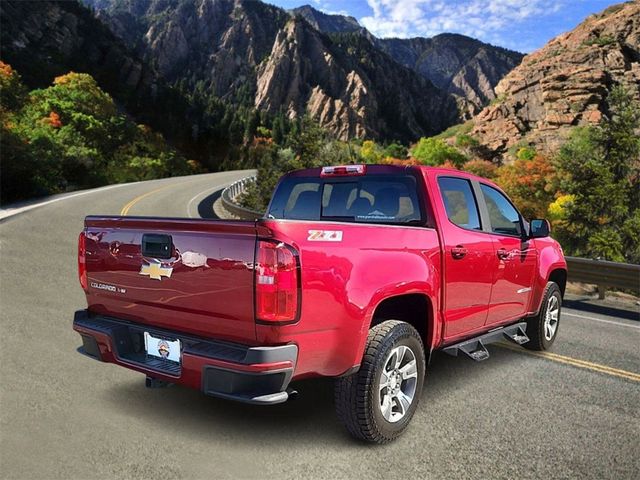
(229, 196)
(604, 274)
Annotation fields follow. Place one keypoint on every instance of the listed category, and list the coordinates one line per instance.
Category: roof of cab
(377, 169)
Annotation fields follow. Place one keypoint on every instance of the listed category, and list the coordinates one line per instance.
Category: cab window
(505, 219)
(459, 202)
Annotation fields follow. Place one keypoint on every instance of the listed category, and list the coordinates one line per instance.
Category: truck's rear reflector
(82, 261)
(276, 273)
(343, 170)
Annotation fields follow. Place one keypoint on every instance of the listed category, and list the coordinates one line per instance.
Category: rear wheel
(542, 328)
(377, 402)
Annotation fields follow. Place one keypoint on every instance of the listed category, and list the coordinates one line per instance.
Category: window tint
(459, 202)
(368, 199)
(505, 219)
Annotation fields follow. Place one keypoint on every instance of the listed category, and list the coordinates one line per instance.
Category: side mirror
(539, 228)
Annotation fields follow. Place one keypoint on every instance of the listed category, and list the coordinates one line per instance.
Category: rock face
(565, 83)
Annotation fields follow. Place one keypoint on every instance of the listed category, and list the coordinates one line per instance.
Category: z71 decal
(325, 236)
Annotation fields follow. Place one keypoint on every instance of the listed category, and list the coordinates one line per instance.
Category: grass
(600, 41)
(455, 130)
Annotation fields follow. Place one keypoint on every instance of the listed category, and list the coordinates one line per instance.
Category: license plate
(161, 348)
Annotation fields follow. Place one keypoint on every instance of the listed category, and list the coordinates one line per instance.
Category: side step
(475, 348)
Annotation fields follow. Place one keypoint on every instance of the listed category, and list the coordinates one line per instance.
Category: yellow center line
(596, 367)
(127, 207)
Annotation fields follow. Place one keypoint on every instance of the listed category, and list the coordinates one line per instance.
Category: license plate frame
(163, 348)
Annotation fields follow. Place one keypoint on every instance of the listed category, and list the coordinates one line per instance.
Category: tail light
(82, 262)
(276, 273)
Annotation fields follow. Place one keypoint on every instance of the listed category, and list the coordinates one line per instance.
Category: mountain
(459, 65)
(328, 23)
(212, 62)
(255, 54)
(349, 86)
(564, 84)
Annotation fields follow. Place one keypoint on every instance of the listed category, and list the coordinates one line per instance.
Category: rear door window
(368, 199)
(459, 202)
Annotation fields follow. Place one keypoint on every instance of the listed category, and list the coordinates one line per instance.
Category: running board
(475, 348)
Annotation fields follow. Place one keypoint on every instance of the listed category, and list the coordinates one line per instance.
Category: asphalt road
(572, 414)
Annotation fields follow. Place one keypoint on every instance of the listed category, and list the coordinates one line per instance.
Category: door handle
(502, 254)
(458, 252)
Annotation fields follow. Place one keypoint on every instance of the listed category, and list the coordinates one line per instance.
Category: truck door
(516, 256)
(469, 259)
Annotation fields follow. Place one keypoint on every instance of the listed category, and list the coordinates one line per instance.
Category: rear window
(367, 199)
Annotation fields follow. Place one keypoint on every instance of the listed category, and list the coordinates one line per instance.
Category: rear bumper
(258, 375)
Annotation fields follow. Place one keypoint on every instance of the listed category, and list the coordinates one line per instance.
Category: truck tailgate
(192, 276)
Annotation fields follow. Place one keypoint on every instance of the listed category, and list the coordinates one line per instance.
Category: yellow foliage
(558, 209)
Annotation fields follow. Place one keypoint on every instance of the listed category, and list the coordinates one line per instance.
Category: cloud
(492, 21)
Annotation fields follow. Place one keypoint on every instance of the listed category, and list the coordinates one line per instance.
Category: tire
(541, 329)
(370, 407)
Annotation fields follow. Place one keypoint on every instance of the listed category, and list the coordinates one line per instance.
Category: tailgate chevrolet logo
(156, 271)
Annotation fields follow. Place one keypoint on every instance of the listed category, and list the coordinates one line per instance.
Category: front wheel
(377, 402)
(542, 328)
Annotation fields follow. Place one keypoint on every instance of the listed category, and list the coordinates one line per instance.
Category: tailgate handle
(156, 245)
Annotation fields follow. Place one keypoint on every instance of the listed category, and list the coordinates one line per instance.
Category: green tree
(396, 150)
(253, 121)
(600, 169)
(433, 151)
(278, 130)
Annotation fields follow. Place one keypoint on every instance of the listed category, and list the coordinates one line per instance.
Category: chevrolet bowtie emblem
(156, 271)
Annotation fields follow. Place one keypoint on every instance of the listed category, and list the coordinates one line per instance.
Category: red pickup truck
(355, 272)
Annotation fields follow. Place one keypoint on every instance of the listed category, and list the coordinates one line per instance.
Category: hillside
(43, 40)
(457, 64)
(564, 84)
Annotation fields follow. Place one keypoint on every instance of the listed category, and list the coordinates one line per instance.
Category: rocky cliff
(564, 84)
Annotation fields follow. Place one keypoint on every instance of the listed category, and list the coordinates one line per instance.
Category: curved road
(573, 413)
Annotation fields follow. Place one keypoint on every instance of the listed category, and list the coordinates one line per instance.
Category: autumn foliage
(71, 135)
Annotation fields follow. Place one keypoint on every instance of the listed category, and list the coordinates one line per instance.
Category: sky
(522, 25)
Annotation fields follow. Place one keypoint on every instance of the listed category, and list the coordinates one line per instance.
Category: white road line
(601, 320)
(10, 212)
(208, 190)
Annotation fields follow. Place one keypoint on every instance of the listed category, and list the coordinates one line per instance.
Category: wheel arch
(559, 276)
(416, 309)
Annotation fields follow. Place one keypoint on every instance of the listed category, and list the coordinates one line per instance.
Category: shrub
(433, 151)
